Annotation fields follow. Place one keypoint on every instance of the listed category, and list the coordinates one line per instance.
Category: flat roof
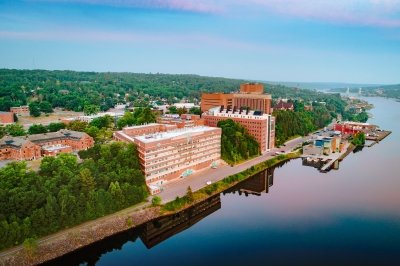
(173, 134)
(54, 147)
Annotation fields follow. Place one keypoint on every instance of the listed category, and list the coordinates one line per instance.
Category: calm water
(300, 216)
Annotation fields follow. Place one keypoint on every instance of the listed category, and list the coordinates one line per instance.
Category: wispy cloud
(379, 13)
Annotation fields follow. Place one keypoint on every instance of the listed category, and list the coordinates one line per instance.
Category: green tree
(189, 195)
(37, 129)
(77, 126)
(15, 130)
(103, 121)
(45, 107)
(34, 109)
(172, 110)
(54, 127)
(30, 247)
(156, 201)
(91, 109)
(236, 143)
(195, 111)
(3, 131)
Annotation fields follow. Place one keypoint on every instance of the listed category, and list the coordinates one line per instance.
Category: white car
(208, 182)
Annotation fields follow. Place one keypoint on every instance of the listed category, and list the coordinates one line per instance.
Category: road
(198, 180)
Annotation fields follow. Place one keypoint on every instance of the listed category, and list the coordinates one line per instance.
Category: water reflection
(159, 230)
(255, 185)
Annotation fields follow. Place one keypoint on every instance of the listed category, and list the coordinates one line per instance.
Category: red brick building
(286, 106)
(251, 95)
(6, 118)
(35, 146)
(20, 110)
(353, 127)
(260, 126)
(182, 121)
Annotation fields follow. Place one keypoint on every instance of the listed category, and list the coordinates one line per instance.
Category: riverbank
(84, 235)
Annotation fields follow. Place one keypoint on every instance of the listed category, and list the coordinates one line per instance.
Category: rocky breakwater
(78, 237)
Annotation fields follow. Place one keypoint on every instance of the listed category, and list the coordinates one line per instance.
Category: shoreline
(50, 248)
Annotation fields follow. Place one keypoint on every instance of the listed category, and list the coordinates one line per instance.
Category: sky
(356, 41)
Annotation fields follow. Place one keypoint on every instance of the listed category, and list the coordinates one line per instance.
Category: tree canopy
(65, 193)
(236, 144)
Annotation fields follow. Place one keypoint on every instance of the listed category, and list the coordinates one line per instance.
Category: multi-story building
(6, 118)
(173, 154)
(35, 146)
(20, 110)
(184, 120)
(251, 95)
(258, 124)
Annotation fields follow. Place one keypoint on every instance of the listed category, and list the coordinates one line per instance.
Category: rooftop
(184, 132)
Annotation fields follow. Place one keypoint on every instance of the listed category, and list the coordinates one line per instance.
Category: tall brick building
(251, 95)
(48, 144)
(261, 126)
(173, 153)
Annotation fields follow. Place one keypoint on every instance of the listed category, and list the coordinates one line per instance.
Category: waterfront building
(6, 118)
(258, 124)
(170, 153)
(20, 110)
(349, 127)
(48, 144)
(250, 95)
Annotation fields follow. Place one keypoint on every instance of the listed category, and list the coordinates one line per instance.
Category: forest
(66, 192)
(73, 90)
(236, 144)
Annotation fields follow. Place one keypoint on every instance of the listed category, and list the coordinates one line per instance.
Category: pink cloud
(379, 13)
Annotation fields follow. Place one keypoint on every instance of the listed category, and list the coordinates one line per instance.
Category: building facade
(259, 125)
(6, 118)
(169, 155)
(48, 144)
(182, 121)
(349, 127)
(20, 110)
(251, 95)
(285, 106)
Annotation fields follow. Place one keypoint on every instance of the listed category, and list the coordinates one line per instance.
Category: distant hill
(73, 90)
(322, 85)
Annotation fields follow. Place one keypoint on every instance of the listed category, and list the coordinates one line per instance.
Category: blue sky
(278, 40)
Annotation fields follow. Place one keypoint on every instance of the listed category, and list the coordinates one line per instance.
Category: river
(289, 215)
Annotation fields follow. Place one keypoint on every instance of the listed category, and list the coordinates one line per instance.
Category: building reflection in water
(255, 185)
(157, 231)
